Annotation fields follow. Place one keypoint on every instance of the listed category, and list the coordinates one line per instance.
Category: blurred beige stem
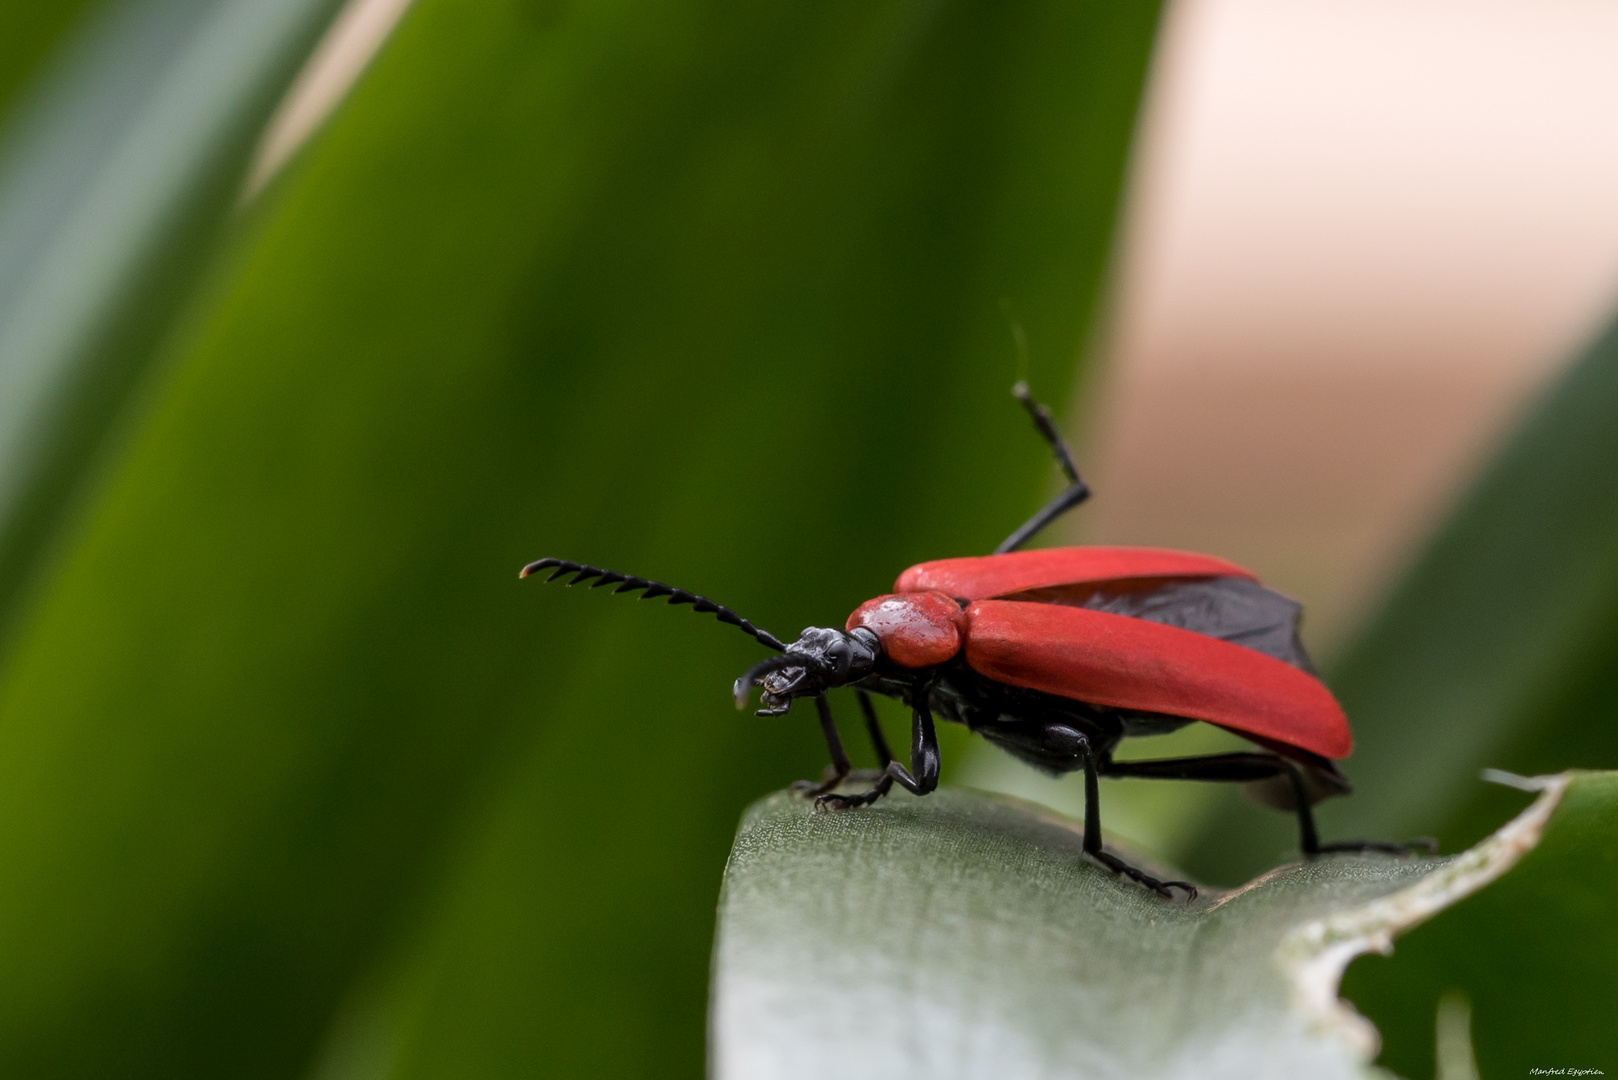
(1358, 233)
(354, 37)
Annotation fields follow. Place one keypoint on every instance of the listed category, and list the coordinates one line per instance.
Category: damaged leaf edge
(1314, 956)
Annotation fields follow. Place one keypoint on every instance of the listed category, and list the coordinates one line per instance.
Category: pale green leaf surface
(964, 935)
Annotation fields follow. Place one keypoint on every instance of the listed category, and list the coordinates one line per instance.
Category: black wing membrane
(1232, 609)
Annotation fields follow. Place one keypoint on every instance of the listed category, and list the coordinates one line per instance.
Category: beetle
(1057, 655)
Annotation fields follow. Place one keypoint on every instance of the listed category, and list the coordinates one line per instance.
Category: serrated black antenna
(631, 583)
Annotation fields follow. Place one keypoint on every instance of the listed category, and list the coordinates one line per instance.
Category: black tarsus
(1241, 768)
(584, 572)
(839, 771)
(1092, 834)
(1309, 840)
(1077, 490)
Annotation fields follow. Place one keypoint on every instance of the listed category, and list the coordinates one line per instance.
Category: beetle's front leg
(873, 728)
(922, 776)
(924, 756)
(839, 769)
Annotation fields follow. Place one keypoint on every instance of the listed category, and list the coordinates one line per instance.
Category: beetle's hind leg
(1242, 768)
(1092, 836)
(1309, 839)
(1421, 845)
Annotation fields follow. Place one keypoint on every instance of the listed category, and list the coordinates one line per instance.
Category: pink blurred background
(1359, 235)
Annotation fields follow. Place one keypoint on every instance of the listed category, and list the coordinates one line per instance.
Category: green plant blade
(1497, 650)
(708, 292)
(893, 132)
(29, 33)
(117, 178)
(965, 935)
(1532, 956)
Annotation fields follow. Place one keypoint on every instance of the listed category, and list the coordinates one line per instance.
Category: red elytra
(984, 577)
(1100, 658)
(1130, 663)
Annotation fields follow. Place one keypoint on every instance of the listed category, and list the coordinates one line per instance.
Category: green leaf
(1532, 956)
(28, 35)
(118, 177)
(966, 935)
(709, 292)
(1499, 649)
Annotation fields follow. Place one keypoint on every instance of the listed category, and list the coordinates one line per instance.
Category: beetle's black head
(820, 660)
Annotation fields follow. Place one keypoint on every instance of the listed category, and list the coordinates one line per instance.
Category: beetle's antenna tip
(536, 566)
(1019, 390)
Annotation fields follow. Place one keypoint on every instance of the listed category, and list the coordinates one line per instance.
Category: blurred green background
(295, 777)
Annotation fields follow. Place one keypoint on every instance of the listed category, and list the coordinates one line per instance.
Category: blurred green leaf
(709, 292)
(118, 176)
(964, 935)
(1499, 648)
(1533, 955)
(29, 33)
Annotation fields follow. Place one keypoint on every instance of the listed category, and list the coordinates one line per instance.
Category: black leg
(1244, 768)
(1092, 838)
(1227, 768)
(879, 741)
(922, 776)
(924, 758)
(1309, 840)
(1045, 424)
(1077, 490)
(838, 771)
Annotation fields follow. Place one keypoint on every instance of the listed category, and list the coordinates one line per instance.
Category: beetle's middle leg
(1092, 833)
(922, 776)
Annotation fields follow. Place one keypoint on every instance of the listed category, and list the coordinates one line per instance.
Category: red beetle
(1057, 655)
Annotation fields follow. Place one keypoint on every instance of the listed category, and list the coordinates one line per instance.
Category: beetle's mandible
(1057, 655)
